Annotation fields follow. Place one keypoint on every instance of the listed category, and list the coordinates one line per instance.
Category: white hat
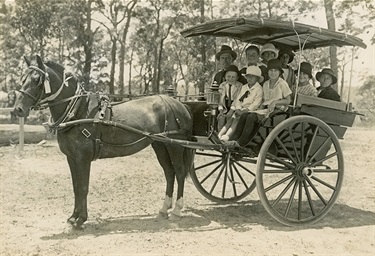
(269, 48)
(255, 71)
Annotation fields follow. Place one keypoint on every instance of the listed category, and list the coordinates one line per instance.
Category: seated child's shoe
(232, 143)
(224, 137)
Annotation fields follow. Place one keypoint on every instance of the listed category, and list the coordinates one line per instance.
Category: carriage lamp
(170, 91)
(213, 95)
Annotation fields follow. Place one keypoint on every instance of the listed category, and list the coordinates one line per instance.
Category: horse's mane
(55, 66)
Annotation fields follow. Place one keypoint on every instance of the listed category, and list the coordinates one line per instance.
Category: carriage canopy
(283, 34)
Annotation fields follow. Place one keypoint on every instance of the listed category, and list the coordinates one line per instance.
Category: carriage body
(294, 159)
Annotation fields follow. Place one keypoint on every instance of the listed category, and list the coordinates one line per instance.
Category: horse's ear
(27, 60)
(40, 62)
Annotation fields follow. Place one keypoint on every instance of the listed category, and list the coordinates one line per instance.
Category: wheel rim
(223, 177)
(300, 171)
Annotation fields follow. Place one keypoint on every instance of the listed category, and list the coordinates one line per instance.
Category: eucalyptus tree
(12, 49)
(33, 19)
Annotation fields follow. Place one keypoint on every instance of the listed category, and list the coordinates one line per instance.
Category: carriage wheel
(223, 177)
(300, 171)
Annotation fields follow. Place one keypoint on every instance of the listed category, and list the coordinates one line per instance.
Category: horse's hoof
(162, 215)
(174, 217)
(72, 221)
(78, 227)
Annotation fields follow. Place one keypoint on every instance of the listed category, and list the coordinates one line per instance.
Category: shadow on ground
(240, 217)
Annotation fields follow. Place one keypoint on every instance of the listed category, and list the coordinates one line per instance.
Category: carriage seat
(329, 111)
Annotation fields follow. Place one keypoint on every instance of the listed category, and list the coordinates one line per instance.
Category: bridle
(42, 103)
(43, 78)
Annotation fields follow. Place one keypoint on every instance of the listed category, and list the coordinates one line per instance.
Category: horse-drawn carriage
(294, 158)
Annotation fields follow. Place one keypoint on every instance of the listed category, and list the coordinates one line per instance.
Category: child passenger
(229, 91)
(304, 86)
(249, 99)
(276, 95)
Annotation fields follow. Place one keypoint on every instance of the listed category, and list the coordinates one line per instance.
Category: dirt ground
(126, 194)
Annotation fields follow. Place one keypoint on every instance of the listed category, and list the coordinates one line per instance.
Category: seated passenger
(326, 78)
(228, 92)
(304, 86)
(267, 53)
(286, 56)
(226, 56)
(276, 95)
(249, 99)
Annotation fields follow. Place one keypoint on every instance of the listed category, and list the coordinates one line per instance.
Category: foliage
(81, 33)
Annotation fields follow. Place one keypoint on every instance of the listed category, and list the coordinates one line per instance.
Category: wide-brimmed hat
(275, 64)
(327, 71)
(269, 48)
(226, 49)
(232, 68)
(287, 51)
(306, 68)
(255, 71)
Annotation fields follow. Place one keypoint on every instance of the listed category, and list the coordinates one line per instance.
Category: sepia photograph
(187, 127)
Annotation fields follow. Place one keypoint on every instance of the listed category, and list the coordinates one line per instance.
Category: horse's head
(36, 85)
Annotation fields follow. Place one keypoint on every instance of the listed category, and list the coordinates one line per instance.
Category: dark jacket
(328, 93)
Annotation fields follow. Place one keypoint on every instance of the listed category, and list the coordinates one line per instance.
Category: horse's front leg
(80, 171)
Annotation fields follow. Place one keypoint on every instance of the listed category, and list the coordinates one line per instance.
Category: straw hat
(269, 48)
(255, 71)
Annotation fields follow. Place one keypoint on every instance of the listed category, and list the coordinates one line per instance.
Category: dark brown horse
(82, 141)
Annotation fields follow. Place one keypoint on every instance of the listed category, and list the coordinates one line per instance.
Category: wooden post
(21, 135)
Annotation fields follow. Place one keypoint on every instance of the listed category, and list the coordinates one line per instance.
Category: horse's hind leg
(165, 162)
(80, 178)
(177, 156)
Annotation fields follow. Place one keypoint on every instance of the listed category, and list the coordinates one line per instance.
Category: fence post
(21, 134)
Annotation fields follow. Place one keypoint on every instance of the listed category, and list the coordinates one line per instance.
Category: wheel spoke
(324, 159)
(279, 160)
(309, 198)
(278, 171)
(209, 175)
(278, 183)
(322, 146)
(217, 179)
(327, 170)
(232, 181)
(208, 164)
(294, 144)
(285, 150)
(291, 199)
(240, 176)
(283, 192)
(317, 192)
(302, 141)
(246, 169)
(299, 199)
(224, 180)
(312, 142)
(323, 182)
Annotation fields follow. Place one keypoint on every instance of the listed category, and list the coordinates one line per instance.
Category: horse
(82, 140)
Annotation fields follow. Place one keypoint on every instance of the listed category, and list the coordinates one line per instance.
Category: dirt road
(126, 194)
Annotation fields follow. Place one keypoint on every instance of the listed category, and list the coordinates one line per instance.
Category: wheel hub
(304, 172)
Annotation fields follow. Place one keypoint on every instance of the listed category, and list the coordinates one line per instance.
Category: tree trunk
(123, 49)
(203, 53)
(87, 47)
(130, 74)
(113, 65)
(328, 5)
